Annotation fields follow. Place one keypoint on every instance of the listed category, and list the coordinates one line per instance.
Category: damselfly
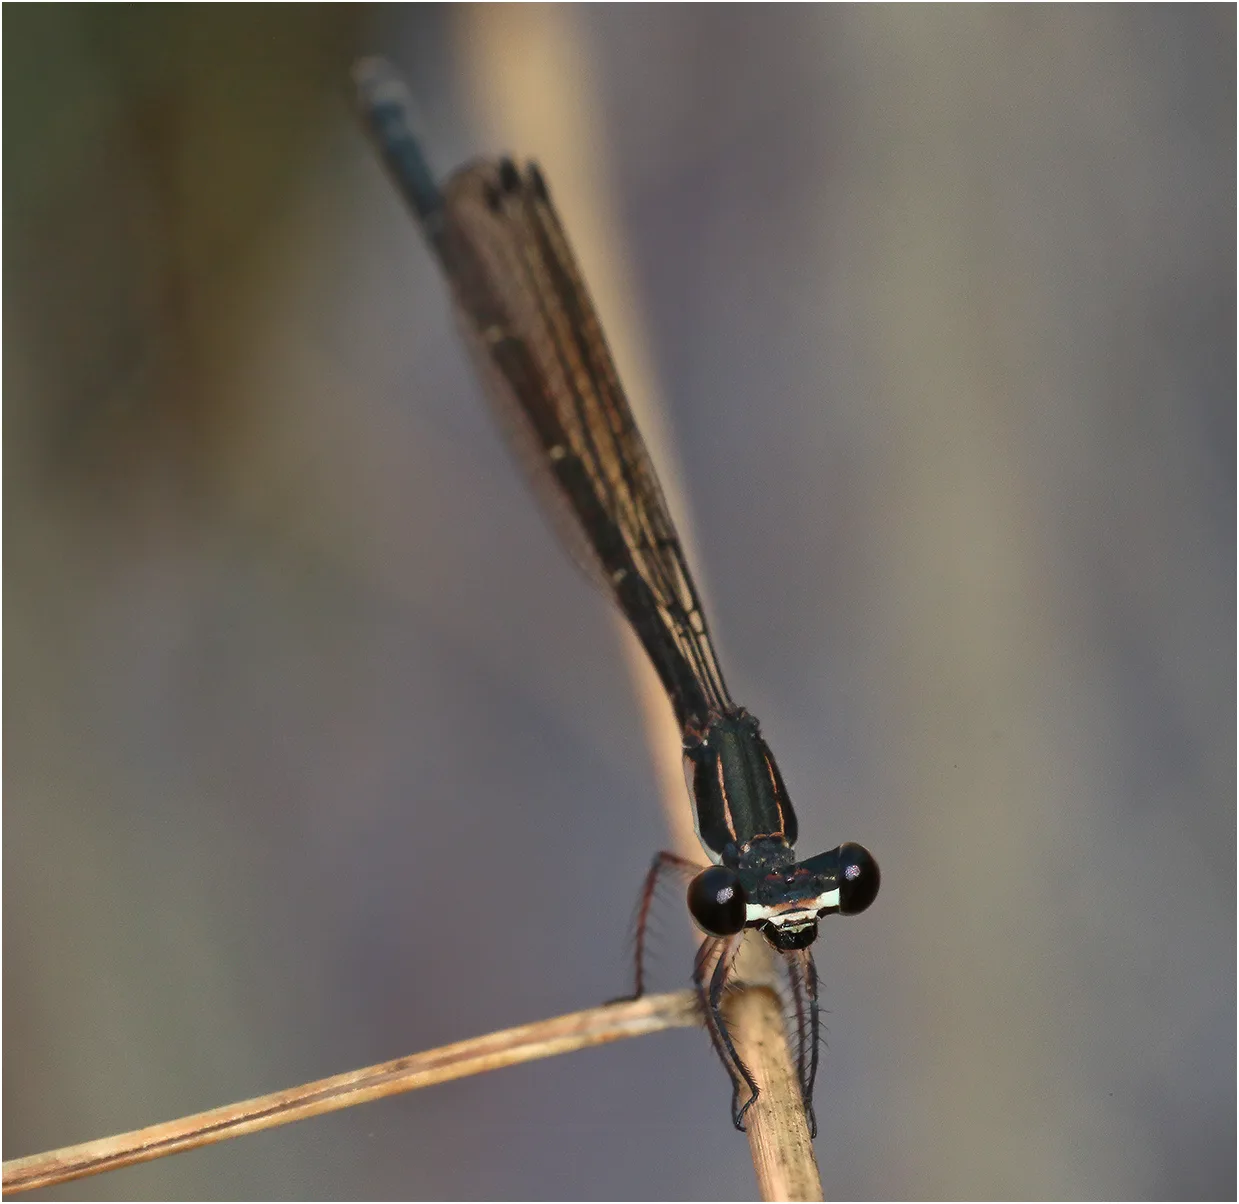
(540, 349)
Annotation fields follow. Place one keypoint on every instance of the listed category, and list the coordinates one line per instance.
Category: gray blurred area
(319, 751)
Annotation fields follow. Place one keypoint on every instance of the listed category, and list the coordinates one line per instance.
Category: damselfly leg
(663, 864)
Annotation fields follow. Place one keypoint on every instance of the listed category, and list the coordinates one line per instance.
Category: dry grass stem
(777, 1127)
(543, 1039)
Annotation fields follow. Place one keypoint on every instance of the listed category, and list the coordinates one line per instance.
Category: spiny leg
(663, 862)
(711, 1001)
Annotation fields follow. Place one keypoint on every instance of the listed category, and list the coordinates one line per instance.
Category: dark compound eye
(859, 879)
(716, 901)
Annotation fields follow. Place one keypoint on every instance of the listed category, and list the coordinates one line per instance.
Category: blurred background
(318, 749)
